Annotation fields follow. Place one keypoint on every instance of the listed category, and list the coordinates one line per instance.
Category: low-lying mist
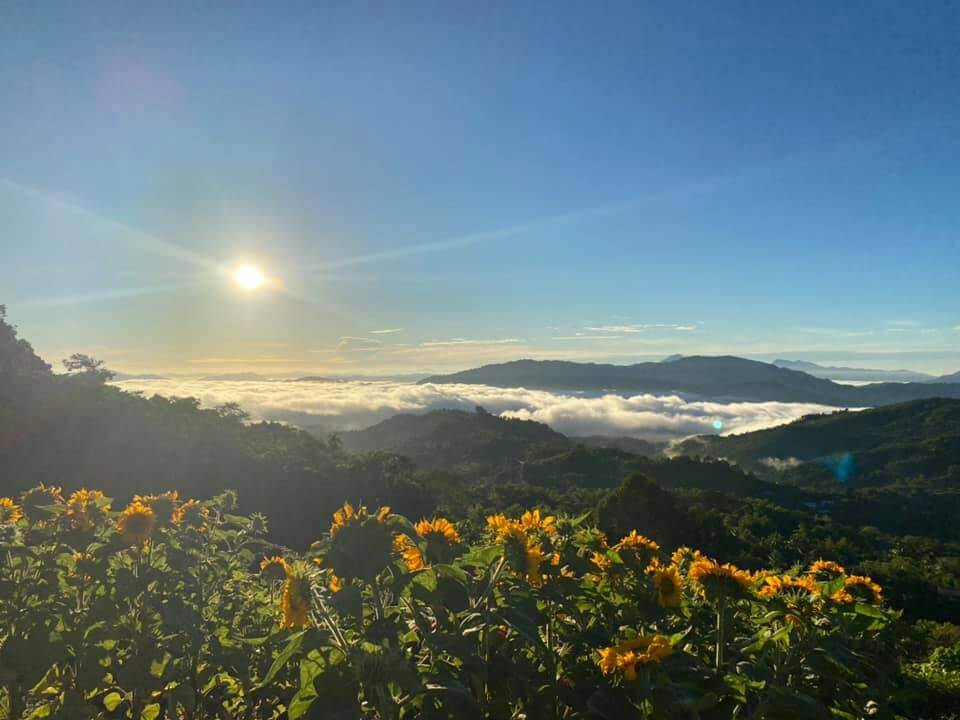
(353, 405)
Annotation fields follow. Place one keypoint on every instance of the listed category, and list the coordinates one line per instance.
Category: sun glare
(249, 277)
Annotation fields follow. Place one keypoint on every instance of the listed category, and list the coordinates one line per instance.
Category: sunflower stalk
(328, 621)
(494, 577)
(721, 628)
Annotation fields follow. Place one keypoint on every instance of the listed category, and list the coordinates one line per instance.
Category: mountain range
(854, 374)
(721, 378)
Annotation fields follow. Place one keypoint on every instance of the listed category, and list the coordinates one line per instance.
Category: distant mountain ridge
(723, 377)
(235, 377)
(833, 372)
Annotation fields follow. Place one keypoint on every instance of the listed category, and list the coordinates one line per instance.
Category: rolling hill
(457, 439)
(725, 378)
(917, 439)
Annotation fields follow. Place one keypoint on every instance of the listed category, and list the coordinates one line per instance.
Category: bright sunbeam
(249, 277)
(131, 236)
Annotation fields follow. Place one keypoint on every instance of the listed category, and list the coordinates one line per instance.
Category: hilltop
(454, 438)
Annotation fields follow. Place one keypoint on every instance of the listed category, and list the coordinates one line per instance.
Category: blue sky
(490, 181)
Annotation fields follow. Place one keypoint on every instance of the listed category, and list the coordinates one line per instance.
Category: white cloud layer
(358, 404)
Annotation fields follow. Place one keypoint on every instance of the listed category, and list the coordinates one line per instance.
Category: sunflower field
(174, 608)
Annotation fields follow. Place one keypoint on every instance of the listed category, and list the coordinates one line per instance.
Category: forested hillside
(918, 440)
(76, 431)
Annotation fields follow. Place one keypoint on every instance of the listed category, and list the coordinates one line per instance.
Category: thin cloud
(363, 344)
(467, 341)
(387, 331)
(641, 327)
(586, 337)
(834, 332)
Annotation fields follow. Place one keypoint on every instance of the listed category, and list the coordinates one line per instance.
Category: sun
(249, 277)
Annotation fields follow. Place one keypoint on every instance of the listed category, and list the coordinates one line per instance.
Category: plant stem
(721, 612)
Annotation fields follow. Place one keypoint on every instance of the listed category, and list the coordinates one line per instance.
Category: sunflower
(191, 514)
(685, 553)
(554, 560)
(531, 521)
(87, 508)
(273, 568)
(347, 516)
(409, 552)
(136, 522)
(85, 564)
(534, 556)
(504, 529)
(667, 581)
(716, 580)
(602, 561)
(858, 587)
(628, 655)
(826, 570)
(36, 503)
(439, 528)
(637, 550)
(634, 541)
(164, 505)
(295, 599)
(522, 552)
(9, 511)
(775, 585)
(361, 544)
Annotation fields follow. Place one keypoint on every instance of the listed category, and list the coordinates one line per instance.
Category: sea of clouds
(358, 404)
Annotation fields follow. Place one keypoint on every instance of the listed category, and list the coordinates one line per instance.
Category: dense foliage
(166, 609)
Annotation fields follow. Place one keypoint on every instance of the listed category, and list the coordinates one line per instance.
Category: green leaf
(296, 640)
(427, 579)
(523, 624)
(112, 700)
(482, 556)
(453, 572)
(869, 611)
